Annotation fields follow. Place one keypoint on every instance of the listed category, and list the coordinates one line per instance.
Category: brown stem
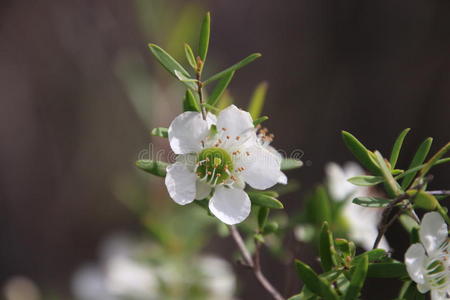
(254, 263)
(198, 74)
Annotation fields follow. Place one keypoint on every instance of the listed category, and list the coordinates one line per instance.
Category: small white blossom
(362, 221)
(428, 262)
(221, 162)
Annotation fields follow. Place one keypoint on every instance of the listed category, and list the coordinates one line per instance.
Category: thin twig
(254, 263)
(198, 74)
(439, 193)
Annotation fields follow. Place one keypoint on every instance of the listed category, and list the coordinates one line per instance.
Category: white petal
(234, 120)
(229, 205)
(261, 168)
(433, 231)
(423, 287)
(438, 295)
(338, 186)
(414, 261)
(188, 130)
(180, 183)
(203, 190)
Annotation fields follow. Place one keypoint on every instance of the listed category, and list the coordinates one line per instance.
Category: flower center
(214, 165)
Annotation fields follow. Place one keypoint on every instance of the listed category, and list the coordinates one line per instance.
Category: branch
(254, 263)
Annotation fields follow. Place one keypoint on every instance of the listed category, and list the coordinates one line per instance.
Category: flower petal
(203, 190)
(180, 183)
(187, 131)
(414, 260)
(229, 205)
(234, 120)
(438, 295)
(433, 231)
(261, 168)
(423, 287)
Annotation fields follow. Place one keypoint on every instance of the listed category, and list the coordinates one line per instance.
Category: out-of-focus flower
(21, 288)
(140, 271)
(362, 221)
(428, 262)
(222, 161)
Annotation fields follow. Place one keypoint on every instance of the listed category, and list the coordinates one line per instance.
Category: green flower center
(214, 165)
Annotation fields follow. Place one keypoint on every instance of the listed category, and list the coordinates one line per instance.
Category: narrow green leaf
(366, 180)
(220, 88)
(154, 167)
(318, 206)
(265, 200)
(386, 270)
(257, 100)
(371, 201)
(326, 248)
(263, 214)
(270, 227)
(314, 283)
(392, 186)
(167, 61)
(397, 147)
(203, 43)
(418, 159)
(260, 120)
(233, 68)
(360, 152)
(190, 56)
(190, 103)
(160, 131)
(290, 164)
(434, 160)
(375, 255)
(358, 278)
(422, 199)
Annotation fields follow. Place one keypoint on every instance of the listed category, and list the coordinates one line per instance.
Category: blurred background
(80, 93)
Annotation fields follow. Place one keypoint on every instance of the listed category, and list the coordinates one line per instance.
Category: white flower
(428, 262)
(362, 221)
(221, 162)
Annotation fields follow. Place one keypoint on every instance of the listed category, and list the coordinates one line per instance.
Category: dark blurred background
(72, 120)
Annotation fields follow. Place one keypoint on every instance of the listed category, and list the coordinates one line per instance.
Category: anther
(237, 138)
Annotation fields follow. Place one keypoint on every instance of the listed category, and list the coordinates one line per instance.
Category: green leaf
(414, 236)
(263, 214)
(387, 270)
(314, 283)
(374, 255)
(358, 278)
(418, 159)
(160, 131)
(290, 164)
(190, 56)
(318, 206)
(366, 180)
(154, 167)
(423, 200)
(170, 64)
(343, 247)
(190, 103)
(392, 186)
(203, 43)
(270, 227)
(397, 147)
(326, 248)
(265, 200)
(234, 67)
(371, 201)
(257, 100)
(360, 152)
(260, 120)
(434, 160)
(220, 88)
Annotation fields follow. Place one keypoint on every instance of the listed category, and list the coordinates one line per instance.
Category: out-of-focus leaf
(318, 206)
(414, 236)
(263, 214)
(234, 67)
(371, 201)
(290, 163)
(361, 153)
(358, 278)
(326, 248)
(270, 227)
(154, 167)
(366, 180)
(397, 147)
(190, 56)
(260, 120)
(257, 101)
(418, 159)
(265, 200)
(314, 283)
(409, 292)
(160, 131)
(203, 43)
(387, 270)
(220, 88)
(190, 103)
